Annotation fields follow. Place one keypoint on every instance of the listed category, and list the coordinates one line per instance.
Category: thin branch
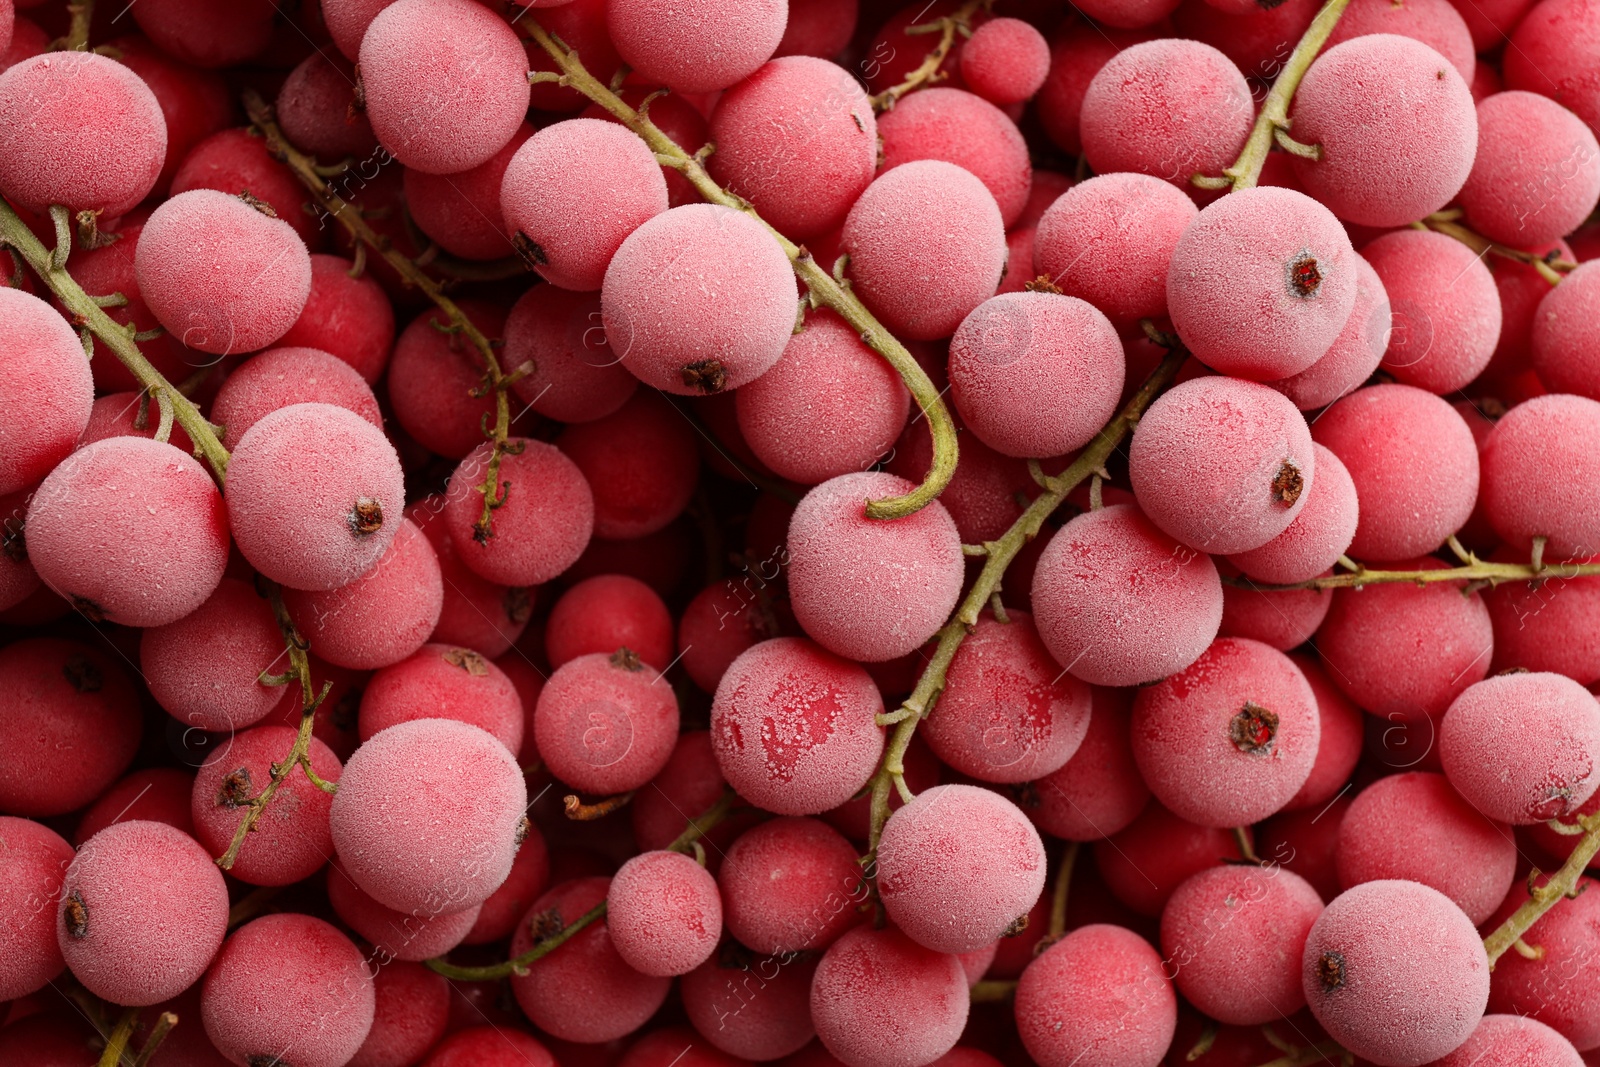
(576, 810)
(164, 1024)
(928, 72)
(1564, 883)
(992, 991)
(825, 290)
(1058, 900)
(1481, 571)
(77, 38)
(118, 1041)
(1551, 268)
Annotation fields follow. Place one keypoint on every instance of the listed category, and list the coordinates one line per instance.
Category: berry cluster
(618, 533)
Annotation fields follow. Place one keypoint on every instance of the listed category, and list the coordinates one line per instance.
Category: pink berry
(433, 376)
(33, 859)
(220, 274)
(1522, 747)
(1358, 174)
(583, 992)
(1552, 52)
(719, 623)
(605, 613)
(756, 1009)
(422, 58)
(1110, 240)
(80, 130)
(316, 108)
(663, 913)
(1262, 283)
(291, 841)
(1533, 463)
(462, 211)
(1221, 464)
(865, 1019)
(955, 126)
(794, 728)
(1284, 619)
(196, 32)
(1354, 354)
(871, 588)
(1395, 972)
(315, 496)
(790, 885)
(155, 794)
(582, 25)
(529, 878)
(289, 983)
(700, 47)
(1317, 537)
(1005, 61)
(819, 27)
(576, 377)
(1436, 23)
(1514, 1039)
(489, 1046)
(194, 102)
(606, 722)
(1077, 52)
(1557, 988)
(1339, 745)
(1445, 305)
(690, 782)
(1305, 841)
(1097, 792)
(1158, 852)
(1547, 625)
(830, 405)
(1034, 374)
(18, 580)
(205, 669)
(1097, 998)
(142, 912)
(551, 199)
(981, 497)
(1117, 602)
(1564, 351)
(407, 832)
(958, 866)
(1168, 108)
(233, 161)
(698, 299)
(542, 525)
(131, 531)
(798, 139)
(444, 682)
(347, 22)
(1414, 465)
(349, 317)
(1537, 173)
(475, 612)
(1234, 936)
(642, 463)
(115, 414)
(419, 935)
(69, 725)
(411, 1006)
(1415, 827)
(283, 376)
(926, 246)
(53, 392)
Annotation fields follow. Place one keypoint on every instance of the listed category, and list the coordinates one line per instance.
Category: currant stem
(1482, 570)
(1542, 898)
(118, 1041)
(927, 73)
(1445, 222)
(825, 290)
(164, 1024)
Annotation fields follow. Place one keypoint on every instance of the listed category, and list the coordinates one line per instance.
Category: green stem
(117, 1043)
(164, 1024)
(928, 72)
(1493, 573)
(1541, 899)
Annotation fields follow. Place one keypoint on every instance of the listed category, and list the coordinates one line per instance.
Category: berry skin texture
(488, 1046)
(529, 877)
(790, 885)
(1005, 61)
(393, 934)
(132, 531)
(443, 682)
(585, 992)
(605, 613)
(1553, 51)
(220, 274)
(314, 108)
(1035, 374)
(606, 723)
(1339, 745)
(1317, 537)
(142, 912)
(689, 782)
(383, 616)
(1168, 108)
(419, 832)
(234, 162)
(663, 913)
(1535, 462)
(1522, 747)
(1515, 1041)
(205, 669)
(1436, 23)
(411, 1006)
(315, 496)
(719, 623)
(1557, 989)
(1537, 173)
(1395, 973)
(1008, 712)
(432, 378)
(960, 128)
(1354, 354)
(1232, 738)
(291, 840)
(80, 130)
(880, 999)
(758, 1010)
(1414, 826)
(1445, 305)
(156, 794)
(462, 211)
(958, 866)
(421, 59)
(1414, 464)
(1234, 936)
(573, 193)
(1541, 626)
(1282, 619)
(1222, 465)
(1110, 240)
(542, 527)
(288, 983)
(794, 727)
(1262, 283)
(696, 47)
(32, 860)
(829, 406)
(69, 725)
(576, 377)
(1097, 998)
(1362, 98)
(1564, 350)
(698, 299)
(1118, 602)
(798, 139)
(1097, 792)
(348, 317)
(1158, 852)
(872, 589)
(642, 463)
(283, 376)
(43, 370)
(926, 246)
